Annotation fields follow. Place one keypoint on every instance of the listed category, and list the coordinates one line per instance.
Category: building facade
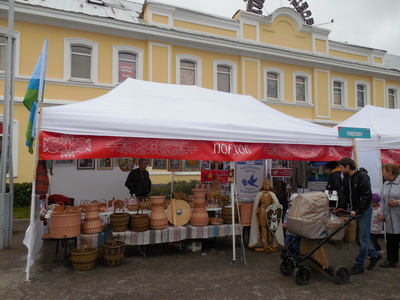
(278, 59)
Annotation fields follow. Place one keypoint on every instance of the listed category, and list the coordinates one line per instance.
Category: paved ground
(173, 274)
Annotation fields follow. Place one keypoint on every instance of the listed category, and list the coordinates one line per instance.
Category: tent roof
(145, 109)
(384, 124)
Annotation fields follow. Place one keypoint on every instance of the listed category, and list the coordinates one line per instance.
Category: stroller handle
(347, 213)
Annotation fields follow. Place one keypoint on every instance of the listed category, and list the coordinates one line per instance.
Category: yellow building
(277, 59)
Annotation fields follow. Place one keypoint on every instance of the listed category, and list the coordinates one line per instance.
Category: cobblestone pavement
(168, 273)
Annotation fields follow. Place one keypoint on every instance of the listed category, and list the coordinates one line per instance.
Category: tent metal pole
(233, 193)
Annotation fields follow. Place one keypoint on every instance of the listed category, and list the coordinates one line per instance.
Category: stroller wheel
(302, 275)
(287, 266)
(341, 275)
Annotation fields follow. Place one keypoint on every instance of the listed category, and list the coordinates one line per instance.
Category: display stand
(65, 243)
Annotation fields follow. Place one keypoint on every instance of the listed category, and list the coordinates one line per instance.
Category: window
(188, 70)
(3, 43)
(301, 88)
(392, 98)
(361, 95)
(15, 48)
(127, 63)
(272, 85)
(80, 60)
(338, 93)
(126, 66)
(224, 78)
(14, 142)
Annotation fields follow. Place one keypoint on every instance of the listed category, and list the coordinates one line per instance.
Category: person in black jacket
(335, 181)
(282, 196)
(138, 181)
(357, 198)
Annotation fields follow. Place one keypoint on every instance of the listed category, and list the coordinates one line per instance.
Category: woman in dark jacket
(335, 181)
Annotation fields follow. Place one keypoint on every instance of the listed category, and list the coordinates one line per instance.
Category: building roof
(122, 10)
(392, 61)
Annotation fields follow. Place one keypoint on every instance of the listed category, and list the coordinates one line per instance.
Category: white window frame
(396, 96)
(139, 61)
(227, 63)
(197, 60)
(4, 31)
(308, 96)
(281, 78)
(14, 141)
(345, 91)
(367, 93)
(68, 43)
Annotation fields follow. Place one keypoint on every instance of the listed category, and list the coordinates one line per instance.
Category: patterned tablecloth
(94, 240)
(175, 234)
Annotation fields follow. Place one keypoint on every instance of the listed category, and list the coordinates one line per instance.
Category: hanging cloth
(42, 181)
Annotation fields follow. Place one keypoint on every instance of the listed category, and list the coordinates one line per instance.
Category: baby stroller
(310, 217)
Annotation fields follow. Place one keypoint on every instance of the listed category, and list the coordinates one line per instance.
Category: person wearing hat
(138, 181)
(376, 223)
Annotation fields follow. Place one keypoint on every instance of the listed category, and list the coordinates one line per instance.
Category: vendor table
(175, 234)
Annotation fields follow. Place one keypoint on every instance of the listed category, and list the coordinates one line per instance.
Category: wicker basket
(59, 207)
(139, 222)
(84, 259)
(119, 221)
(65, 225)
(113, 253)
(88, 205)
(216, 221)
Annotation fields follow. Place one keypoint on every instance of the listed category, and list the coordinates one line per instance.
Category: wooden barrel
(246, 212)
(226, 215)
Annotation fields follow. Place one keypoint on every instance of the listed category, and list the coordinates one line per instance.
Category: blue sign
(354, 133)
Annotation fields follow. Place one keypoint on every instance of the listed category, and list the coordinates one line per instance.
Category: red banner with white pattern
(55, 146)
(390, 156)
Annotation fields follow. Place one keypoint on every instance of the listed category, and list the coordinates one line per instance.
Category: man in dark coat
(138, 181)
(357, 197)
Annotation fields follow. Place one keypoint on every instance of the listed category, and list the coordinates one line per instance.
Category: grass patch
(22, 212)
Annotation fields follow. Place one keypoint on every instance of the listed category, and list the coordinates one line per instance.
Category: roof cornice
(208, 42)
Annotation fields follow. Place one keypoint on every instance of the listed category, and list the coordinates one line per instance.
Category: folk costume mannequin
(261, 237)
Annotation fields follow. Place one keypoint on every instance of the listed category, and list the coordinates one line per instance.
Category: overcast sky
(368, 23)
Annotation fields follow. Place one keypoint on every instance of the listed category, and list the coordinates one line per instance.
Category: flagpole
(36, 155)
(5, 201)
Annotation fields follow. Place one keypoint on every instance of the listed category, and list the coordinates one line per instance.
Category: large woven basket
(139, 222)
(113, 253)
(84, 259)
(65, 225)
(119, 221)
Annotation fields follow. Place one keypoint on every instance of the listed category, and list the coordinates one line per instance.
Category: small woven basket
(84, 259)
(139, 222)
(59, 207)
(119, 221)
(216, 221)
(113, 253)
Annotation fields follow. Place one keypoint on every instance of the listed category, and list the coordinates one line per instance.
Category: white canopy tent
(384, 145)
(148, 110)
(155, 120)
